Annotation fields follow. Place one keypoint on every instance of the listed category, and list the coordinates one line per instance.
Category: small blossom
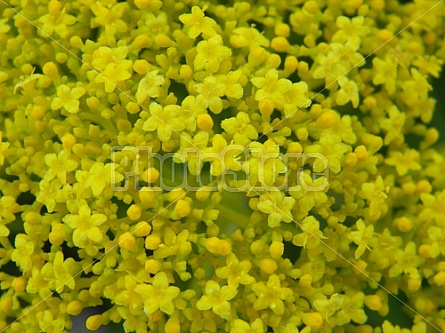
(362, 237)
(407, 262)
(198, 23)
(59, 165)
(217, 298)
(113, 74)
(271, 295)
(212, 90)
(240, 128)
(210, 53)
(85, 225)
(277, 206)
(404, 162)
(67, 98)
(3, 149)
(158, 295)
(163, 120)
(348, 92)
(58, 23)
(149, 86)
(235, 271)
(351, 31)
(240, 326)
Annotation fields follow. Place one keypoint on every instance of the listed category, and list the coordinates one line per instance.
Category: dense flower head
(222, 166)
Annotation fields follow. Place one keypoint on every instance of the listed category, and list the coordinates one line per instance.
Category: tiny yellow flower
(163, 120)
(198, 23)
(351, 31)
(278, 206)
(312, 319)
(362, 237)
(158, 295)
(240, 326)
(85, 225)
(235, 271)
(212, 90)
(407, 262)
(404, 162)
(217, 298)
(67, 98)
(348, 92)
(59, 165)
(113, 74)
(271, 295)
(149, 86)
(240, 128)
(59, 23)
(48, 323)
(210, 54)
(24, 248)
(385, 72)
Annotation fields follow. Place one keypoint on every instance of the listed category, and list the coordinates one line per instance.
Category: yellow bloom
(59, 165)
(173, 245)
(432, 209)
(158, 295)
(128, 296)
(352, 310)
(86, 226)
(8, 207)
(212, 90)
(240, 128)
(164, 121)
(210, 53)
(278, 206)
(59, 23)
(60, 272)
(375, 193)
(385, 72)
(216, 298)
(3, 149)
(100, 175)
(407, 262)
(351, 31)
(348, 92)
(331, 151)
(49, 324)
(404, 162)
(264, 165)
(271, 295)
(110, 18)
(223, 156)
(311, 234)
(416, 89)
(67, 98)
(240, 326)
(149, 86)
(233, 84)
(24, 248)
(198, 23)
(272, 87)
(113, 74)
(235, 272)
(248, 37)
(48, 193)
(362, 237)
(394, 126)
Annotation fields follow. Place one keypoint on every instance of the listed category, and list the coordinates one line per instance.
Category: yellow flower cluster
(325, 213)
